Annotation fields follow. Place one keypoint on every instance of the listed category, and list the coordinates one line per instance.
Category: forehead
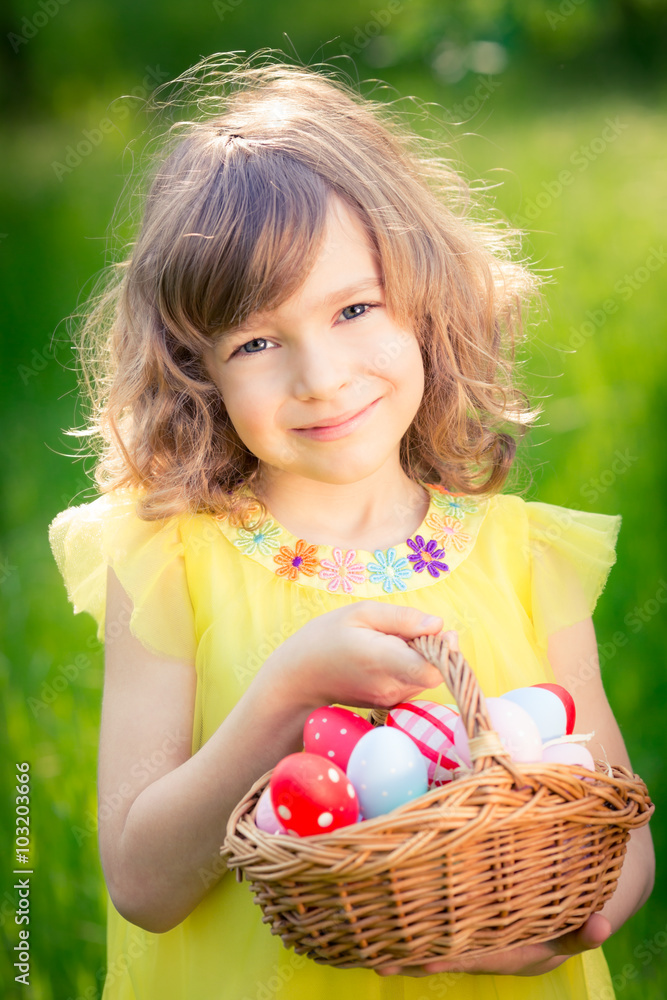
(345, 265)
(337, 297)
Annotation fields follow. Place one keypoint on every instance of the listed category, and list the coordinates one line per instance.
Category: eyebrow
(362, 284)
(356, 286)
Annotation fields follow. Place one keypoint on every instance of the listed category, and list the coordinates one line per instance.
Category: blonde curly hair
(233, 217)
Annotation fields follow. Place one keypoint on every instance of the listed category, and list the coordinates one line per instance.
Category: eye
(367, 306)
(258, 340)
(242, 352)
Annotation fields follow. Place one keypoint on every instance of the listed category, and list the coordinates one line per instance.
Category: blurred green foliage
(533, 88)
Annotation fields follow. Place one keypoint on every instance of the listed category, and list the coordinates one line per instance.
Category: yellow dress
(502, 571)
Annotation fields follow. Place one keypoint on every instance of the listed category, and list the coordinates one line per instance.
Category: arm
(572, 652)
(162, 811)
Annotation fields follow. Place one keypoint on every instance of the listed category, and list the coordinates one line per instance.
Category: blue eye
(358, 305)
(257, 340)
(366, 306)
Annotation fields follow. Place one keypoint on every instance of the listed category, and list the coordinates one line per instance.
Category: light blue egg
(386, 769)
(544, 707)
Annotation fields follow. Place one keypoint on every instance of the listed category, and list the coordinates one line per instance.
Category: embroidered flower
(301, 559)
(341, 571)
(454, 504)
(448, 531)
(426, 555)
(346, 571)
(262, 539)
(389, 570)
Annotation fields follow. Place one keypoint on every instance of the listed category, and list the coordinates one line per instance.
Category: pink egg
(461, 741)
(333, 732)
(568, 753)
(265, 817)
(517, 731)
(430, 726)
(312, 795)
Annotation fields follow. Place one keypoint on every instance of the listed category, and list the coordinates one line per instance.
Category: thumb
(397, 619)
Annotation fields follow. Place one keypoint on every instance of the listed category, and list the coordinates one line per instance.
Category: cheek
(408, 366)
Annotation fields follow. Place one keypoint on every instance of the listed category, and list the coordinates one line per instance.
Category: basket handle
(485, 745)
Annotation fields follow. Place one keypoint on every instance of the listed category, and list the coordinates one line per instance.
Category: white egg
(386, 769)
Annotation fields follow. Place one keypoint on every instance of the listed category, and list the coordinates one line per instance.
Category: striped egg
(430, 726)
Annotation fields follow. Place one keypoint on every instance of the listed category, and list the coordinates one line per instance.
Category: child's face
(317, 357)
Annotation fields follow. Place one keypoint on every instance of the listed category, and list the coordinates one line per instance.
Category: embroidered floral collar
(442, 541)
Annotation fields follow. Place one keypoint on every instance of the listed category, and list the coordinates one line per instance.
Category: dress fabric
(504, 572)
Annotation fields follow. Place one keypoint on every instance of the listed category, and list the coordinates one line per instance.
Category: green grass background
(603, 390)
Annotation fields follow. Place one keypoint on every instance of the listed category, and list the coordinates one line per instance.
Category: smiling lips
(336, 426)
(332, 421)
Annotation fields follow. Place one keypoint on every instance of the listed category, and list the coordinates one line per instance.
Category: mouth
(337, 427)
(335, 421)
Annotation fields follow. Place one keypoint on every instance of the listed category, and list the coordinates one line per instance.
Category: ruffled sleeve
(571, 553)
(146, 556)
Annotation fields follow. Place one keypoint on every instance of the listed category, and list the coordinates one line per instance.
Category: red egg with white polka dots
(333, 732)
(312, 795)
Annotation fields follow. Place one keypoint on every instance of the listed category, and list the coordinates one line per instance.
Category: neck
(377, 512)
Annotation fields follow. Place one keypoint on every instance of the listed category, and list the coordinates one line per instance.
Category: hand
(521, 960)
(358, 655)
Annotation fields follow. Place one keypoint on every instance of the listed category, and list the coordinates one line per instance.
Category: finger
(397, 619)
(389, 970)
(591, 935)
(453, 640)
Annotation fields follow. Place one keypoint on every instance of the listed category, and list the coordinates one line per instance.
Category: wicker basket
(510, 854)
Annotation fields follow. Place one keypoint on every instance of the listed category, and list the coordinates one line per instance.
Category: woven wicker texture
(509, 854)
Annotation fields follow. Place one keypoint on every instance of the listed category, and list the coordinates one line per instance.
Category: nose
(320, 370)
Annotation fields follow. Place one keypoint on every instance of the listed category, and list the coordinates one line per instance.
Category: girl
(305, 411)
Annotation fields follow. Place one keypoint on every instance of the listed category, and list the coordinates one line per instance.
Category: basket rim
(621, 778)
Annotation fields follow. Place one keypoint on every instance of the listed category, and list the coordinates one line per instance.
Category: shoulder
(113, 514)
(547, 523)
(147, 557)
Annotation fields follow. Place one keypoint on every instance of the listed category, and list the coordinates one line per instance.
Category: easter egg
(544, 707)
(517, 731)
(333, 732)
(568, 702)
(386, 769)
(430, 726)
(568, 753)
(312, 795)
(265, 817)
